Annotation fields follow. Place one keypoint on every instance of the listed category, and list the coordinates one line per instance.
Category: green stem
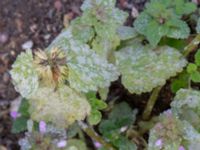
(91, 133)
(192, 45)
(151, 102)
(80, 134)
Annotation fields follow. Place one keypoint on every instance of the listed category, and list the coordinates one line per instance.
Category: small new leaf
(95, 117)
(96, 105)
(191, 68)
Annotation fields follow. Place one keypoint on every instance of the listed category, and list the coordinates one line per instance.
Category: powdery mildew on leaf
(105, 19)
(82, 32)
(61, 107)
(166, 134)
(143, 69)
(186, 105)
(24, 75)
(87, 70)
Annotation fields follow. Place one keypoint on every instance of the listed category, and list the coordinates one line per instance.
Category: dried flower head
(51, 65)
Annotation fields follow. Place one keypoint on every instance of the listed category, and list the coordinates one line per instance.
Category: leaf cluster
(162, 18)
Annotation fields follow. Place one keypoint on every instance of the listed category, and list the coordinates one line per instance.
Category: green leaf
(121, 115)
(122, 110)
(143, 69)
(73, 130)
(96, 104)
(176, 43)
(23, 109)
(180, 82)
(142, 22)
(191, 68)
(178, 29)
(95, 117)
(19, 125)
(154, 7)
(126, 33)
(183, 7)
(197, 58)
(152, 33)
(156, 25)
(122, 143)
(109, 128)
(195, 76)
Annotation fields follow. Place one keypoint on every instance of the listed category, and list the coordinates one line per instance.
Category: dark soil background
(35, 23)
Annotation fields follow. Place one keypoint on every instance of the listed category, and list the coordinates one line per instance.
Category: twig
(151, 102)
(192, 45)
(90, 132)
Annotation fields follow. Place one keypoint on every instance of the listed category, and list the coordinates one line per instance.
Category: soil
(39, 22)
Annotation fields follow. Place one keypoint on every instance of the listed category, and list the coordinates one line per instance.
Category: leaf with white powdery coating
(186, 105)
(87, 70)
(167, 134)
(61, 107)
(143, 69)
(24, 75)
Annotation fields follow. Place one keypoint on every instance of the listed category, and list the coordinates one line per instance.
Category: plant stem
(192, 45)
(90, 132)
(151, 102)
(80, 134)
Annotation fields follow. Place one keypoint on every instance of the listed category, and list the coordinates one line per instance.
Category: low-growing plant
(65, 86)
(163, 18)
